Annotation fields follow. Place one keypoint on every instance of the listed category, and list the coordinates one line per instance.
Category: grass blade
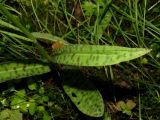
(16, 35)
(8, 25)
(5, 12)
(48, 37)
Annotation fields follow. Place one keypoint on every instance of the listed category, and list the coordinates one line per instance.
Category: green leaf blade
(83, 94)
(9, 71)
(94, 55)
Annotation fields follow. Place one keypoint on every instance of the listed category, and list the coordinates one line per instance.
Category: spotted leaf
(14, 70)
(83, 94)
(95, 55)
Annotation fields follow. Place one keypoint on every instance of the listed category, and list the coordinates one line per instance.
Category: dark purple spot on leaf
(72, 56)
(74, 95)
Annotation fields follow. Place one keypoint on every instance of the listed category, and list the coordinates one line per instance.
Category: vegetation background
(129, 23)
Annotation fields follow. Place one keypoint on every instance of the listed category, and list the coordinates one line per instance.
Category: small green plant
(20, 102)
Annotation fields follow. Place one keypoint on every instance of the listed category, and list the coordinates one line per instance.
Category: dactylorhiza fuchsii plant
(90, 101)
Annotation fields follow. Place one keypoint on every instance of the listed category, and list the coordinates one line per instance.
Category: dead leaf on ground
(57, 45)
(123, 84)
(130, 104)
(78, 11)
(120, 105)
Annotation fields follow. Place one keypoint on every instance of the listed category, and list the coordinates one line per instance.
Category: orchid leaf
(83, 94)
(95, 55)
(12, 70)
